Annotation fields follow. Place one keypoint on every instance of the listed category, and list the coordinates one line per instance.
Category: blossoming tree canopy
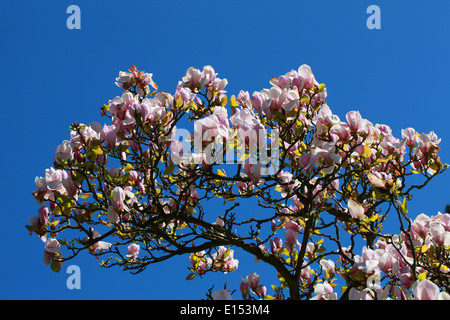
(134, 191)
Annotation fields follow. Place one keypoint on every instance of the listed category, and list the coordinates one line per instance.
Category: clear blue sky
(52, 76)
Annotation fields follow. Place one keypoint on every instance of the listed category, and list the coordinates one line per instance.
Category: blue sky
(52, 76)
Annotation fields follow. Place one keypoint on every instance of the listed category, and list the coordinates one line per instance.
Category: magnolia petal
(356, 209)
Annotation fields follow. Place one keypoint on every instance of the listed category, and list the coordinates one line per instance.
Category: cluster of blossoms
(222, 260)
(251, 284)
(135, 178)
(140, 80)
(411, 259)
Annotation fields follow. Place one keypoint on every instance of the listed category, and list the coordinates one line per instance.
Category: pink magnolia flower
(342, 130)
(326, 117)
(444, 220)
(210, 129)
(420, 225)
(231, 264)
(257, 101)
(177, 155)
(133, 251)
(310, 248)
(218, 85)
(219, 221)
(250, 130)
(254, 171)
(200, 261)
(152, 110)
(252, 280)
(355, 294)
(291, 239)
(221, 294)
(440, 237)
(136, 179)
(118, 197)
(53, 179)
(292, 225)
(329, 267)
(386, 262)
(208, 75)
(390, 145)
(356, 122)
(323, 291)
(290, 80)
(425, 290)
(113, 217)
(243, 97)
(137, 78)
(192, 78)
(43, 215)
(410, 136)
(428, 142)
(52, 245)
(307, 162)
(243, 187)
(306, 272)
(326, 157)
(285, 176)
(98, 245)
(64, 152)
(368, 262)
(276, 244)
(356, 209)
(305, 72)
(185, 94)
(380, 180)
(52, 249)
(224, 260)
(108, 134)
(405, 276)
(85, 135)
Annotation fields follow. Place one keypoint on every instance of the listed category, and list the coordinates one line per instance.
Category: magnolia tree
(137, 191)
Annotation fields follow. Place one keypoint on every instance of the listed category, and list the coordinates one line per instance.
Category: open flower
(53, 179)
(425, 290)
(221, 294)
(133, 251)
(356, 209)
(324, 291)
(118, 196)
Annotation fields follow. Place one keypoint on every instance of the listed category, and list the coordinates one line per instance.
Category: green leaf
(226, 253)
(178, 101)
(422, 276)
(191, 276)
(224, 101)
(169, 170)
(55, 266)
(367, 152)
(98, 150)
(128, 167)
(404, 207)
(233, 103)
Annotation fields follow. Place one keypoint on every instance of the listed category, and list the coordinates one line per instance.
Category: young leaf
(191, 276)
